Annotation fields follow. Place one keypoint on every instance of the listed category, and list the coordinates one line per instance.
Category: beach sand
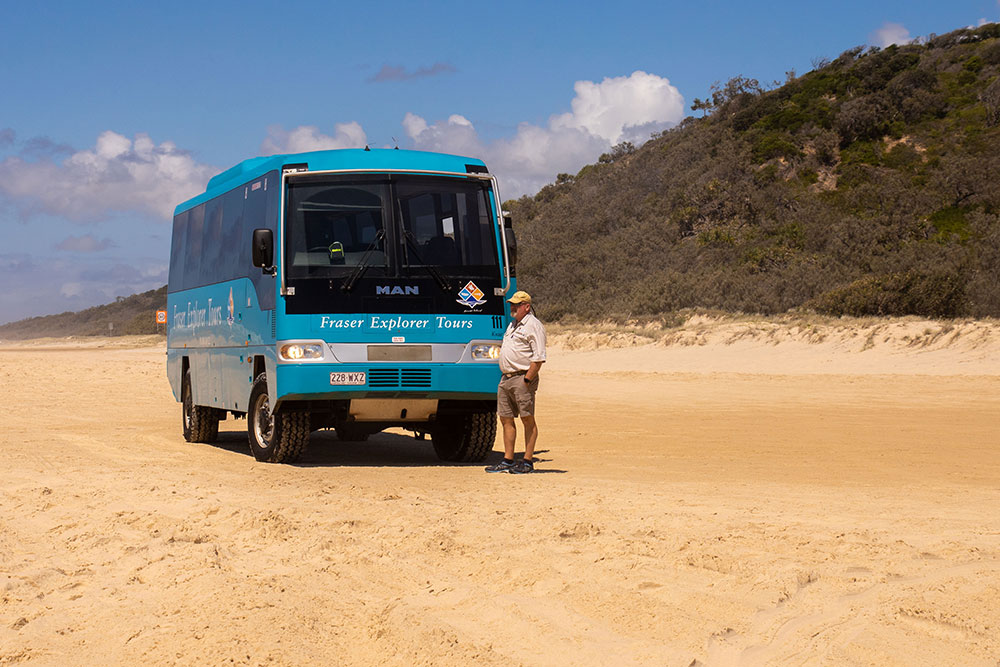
(724, 493)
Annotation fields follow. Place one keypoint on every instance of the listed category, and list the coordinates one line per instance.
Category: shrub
(902, 156)
(991, 102)
(910, 293)
(716, 237)
(991, 53)
(863, 118)
(766, 258)
(973, 64)
(774, 145)
(862, 152)
(808, 176)
(790, 117)
(950, 221)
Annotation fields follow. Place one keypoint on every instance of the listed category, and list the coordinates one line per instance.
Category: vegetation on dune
(868, 186)
(865, 187)
(128, 315)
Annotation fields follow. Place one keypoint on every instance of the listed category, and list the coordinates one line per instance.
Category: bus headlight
(485, 351)
(300, 351)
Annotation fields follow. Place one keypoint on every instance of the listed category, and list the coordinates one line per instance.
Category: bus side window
(178, 250)
(213, 253)
(192, 259)
(234, 254)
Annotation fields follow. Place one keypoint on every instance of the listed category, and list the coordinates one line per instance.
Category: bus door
(260, 211)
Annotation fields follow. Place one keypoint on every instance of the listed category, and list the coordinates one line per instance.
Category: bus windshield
(334, 225)
(447, 222)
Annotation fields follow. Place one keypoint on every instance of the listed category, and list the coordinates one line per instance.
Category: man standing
(521, 357)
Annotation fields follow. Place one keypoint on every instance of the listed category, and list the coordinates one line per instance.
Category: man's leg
(530, 436)
(509, 436)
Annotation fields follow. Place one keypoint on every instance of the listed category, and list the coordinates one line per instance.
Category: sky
(112, 113)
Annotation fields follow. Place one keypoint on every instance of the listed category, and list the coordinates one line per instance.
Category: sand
(723, 493)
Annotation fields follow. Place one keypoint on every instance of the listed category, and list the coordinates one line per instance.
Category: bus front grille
(416, 377)
(384, 378)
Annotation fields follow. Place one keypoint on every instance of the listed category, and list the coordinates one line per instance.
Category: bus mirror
(263, 249)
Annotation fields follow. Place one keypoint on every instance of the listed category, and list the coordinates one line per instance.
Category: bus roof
(361, 159)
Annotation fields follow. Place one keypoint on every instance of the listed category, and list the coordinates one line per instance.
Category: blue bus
(354, 290)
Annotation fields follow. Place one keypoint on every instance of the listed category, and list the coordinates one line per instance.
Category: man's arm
(536, 338)
(532, 372)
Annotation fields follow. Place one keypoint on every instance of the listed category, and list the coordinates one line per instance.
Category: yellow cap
(520, 297)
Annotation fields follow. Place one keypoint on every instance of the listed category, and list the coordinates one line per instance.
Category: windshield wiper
(442, 283)
(362, 266)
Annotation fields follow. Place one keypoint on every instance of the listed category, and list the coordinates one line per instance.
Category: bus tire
(351, 433)
(466, 437)
(274, 438)
(201, 424)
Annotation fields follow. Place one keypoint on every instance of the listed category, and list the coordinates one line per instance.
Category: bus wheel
(274, 438)
(351, 433)
(201, 424)
(465, 437)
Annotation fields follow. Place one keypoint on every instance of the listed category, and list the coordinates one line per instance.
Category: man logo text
(397, 290)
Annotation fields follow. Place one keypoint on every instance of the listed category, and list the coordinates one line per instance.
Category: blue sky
(112, 113)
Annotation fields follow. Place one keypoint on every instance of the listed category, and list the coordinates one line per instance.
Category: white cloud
(455, 135)
(118, 174)
(535, 155)
(307, 138)
(625, 108)
(603, 114)
(891, 33)
(605, 109)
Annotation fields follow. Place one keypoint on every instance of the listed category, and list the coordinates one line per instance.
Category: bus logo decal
(470, 295)
(232, 308)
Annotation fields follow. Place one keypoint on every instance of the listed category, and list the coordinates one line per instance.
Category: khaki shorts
(515, 397)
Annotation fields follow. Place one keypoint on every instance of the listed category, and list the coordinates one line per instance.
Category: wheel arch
(261, 365)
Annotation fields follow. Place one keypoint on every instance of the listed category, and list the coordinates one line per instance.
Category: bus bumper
(465, 381)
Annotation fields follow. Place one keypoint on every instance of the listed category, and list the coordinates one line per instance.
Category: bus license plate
(347, 378)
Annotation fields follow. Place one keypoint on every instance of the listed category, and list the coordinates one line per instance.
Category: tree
(991, 100)
(704, 106)
(739, 88)
(618, 151)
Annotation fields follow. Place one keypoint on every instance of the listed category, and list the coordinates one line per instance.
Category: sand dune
(723, 492)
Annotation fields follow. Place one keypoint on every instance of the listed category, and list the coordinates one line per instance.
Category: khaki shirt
(523, 343)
